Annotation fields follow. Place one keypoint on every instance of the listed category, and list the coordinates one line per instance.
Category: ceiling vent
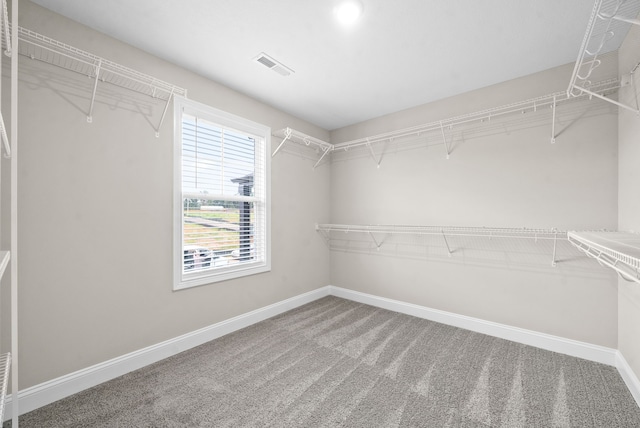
(274, 65)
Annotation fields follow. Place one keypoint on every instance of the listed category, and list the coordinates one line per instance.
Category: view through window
(223, 183)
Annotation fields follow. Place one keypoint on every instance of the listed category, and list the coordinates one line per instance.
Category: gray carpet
(337, 363)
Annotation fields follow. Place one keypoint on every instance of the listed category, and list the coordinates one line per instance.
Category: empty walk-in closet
(325, 213)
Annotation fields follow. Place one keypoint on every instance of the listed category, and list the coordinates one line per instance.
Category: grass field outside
(229, 216)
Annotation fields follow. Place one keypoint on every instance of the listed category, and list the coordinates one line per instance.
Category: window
(221, 195)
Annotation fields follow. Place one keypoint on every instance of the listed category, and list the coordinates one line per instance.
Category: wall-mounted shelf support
(619, 251)
(375, 241)
(287, 135)
(164, 112)
(608, 19)
(446, 243)
(373, 156)
(553, 120)
(291, 135)
(326, 151)
(444, 140)
(96, 78)
(555, 246)
(5, 138)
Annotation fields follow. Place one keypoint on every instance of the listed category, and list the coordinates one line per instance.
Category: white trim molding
(562, 345)
(628, 376)
(64, 386)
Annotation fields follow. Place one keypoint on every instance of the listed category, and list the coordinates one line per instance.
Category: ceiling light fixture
(348, 11)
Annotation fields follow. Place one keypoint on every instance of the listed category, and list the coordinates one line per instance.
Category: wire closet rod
(45, 49)
(488, 232)
(446, 231)
(534, 104)
(72, 53)
(619, 251)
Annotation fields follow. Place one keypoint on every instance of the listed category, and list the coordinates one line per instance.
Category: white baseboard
(628, 376)
(64, 386)
(561, 345)
(56, 389)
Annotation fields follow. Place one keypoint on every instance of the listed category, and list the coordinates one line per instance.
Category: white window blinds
(223, 194)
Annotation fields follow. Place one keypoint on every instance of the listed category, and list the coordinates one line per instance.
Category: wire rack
(288, 134)
(609, 22)
(619, 251)
(45, 49)
(5, 364)
(5, 30)
(444, 128)
(379, 233)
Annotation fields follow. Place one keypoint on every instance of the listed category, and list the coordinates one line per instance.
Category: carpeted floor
(337, 363)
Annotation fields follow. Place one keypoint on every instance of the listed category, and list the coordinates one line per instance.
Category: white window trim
(180, 105)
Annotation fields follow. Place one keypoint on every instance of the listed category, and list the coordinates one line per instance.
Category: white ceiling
(400, 53)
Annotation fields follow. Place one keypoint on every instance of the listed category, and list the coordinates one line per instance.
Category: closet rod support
(446, 242)
(555, 244)
(594, 94)
(553, 121)
(444, 141)
(93, 95)
(164, 113)
(287, 135)
(326, 152)
(375, 241)
(5, 139)
(373, 155)
(621, 19)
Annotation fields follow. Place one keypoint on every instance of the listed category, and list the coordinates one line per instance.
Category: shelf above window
(42, 48)
(619, 251)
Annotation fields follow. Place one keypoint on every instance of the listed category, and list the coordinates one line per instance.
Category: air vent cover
(274, 65)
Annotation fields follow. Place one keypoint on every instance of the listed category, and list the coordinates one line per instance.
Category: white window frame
(183, 280)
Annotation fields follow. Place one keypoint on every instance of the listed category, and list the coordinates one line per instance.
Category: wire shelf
(288, 134)
(45, 49)
(5, 364)
(487, 232)
(376, 232)
(445, 126)
(619, 251)
(4, 262)
(609, 22)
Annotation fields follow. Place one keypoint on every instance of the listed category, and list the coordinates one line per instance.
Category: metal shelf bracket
(444, 140)
(93, 94)
(619, 251)
(553, 121)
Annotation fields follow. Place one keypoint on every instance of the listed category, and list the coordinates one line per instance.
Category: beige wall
(629, 201)
(508, 175)
(95, 213)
